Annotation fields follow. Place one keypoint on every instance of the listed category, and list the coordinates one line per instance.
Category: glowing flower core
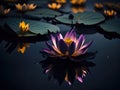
(24, 27)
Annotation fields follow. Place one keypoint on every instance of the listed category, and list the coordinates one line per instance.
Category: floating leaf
(87, 18)
(36, 27)
(43, 13)
(112, 25)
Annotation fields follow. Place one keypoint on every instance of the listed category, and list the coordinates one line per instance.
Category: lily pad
(36, 27)
(43, 13)
(112, 25)
(86, 18)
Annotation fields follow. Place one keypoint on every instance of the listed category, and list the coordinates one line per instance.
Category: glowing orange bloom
(110, 13)
(4, 11)
(98, 5)
(25, 7)
(54, 6)
(24, 27)
(78, 2)
(61, 1)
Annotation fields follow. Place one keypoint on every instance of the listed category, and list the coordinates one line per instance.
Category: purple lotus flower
(67, 46)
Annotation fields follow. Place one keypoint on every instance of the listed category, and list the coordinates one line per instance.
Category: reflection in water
(22, 47)
(79, 9)
(21, 43)
(67, 70)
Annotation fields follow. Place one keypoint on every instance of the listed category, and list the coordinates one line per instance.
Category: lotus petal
(69, 34)
(71, 48)
(63, 46)
(59, 36)
(73, 36)
(86, 45)
(80, 41)
(79, 79)
(53, 41)
(49, 52)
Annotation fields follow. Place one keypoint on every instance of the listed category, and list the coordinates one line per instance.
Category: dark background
(21, 71)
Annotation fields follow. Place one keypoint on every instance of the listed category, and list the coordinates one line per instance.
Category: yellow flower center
(23, 26)
(68, 41)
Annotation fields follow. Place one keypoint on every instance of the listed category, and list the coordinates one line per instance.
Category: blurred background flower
(110, 13)
(54, 5)
(25, 7)
(4, 11)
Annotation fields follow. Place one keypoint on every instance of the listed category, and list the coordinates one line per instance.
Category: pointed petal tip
(69, 83)
(79, 79)
(90, 43)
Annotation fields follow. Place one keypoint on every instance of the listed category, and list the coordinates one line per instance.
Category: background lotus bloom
(78, 2)
(4, 11)
(61, 1)
(98, 5)
(54, 5)
(25, 7)
(24, 27)
(31, 6)
(69, 46)
(110, 13)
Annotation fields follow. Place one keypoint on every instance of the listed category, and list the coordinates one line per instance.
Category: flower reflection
(69, 46)
(98, 5)
(54, 6)
(22, 47)
(4, 11)
(110, 13)
(78, 2)
(78, 9)
(25, 7)
(67, 70)
(24, 27)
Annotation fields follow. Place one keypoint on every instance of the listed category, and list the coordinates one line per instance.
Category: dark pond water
(23, 71)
